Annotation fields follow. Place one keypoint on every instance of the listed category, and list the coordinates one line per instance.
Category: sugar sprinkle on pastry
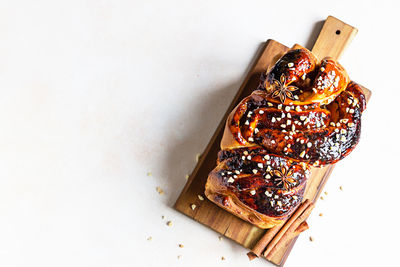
(298, 128)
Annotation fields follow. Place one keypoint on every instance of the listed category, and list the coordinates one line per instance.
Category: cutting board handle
(333, 39)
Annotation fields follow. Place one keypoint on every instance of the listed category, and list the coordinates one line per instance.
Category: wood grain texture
(333, 39)
(328, 44)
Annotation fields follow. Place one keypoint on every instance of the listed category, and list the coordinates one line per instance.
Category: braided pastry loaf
(304, 113)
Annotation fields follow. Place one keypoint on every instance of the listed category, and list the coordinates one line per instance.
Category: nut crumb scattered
(179, 256)
(162, 217)
(341, 188)
(322, 197)
(220, 238)
(187, 176)
(311, 238)
(320, 215)
(222, 258)
(193, 206)
(180, 245)
(159, 190)
(169, 223)
(326, 193)
(200, 197)
(149, 174)
(149, 238)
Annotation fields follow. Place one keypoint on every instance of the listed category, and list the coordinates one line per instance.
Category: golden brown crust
(304, 112)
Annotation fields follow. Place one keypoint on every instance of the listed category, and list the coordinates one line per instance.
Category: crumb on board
(193, 206)
(149, 174)
(326, 193)
(311, 238)
(220, 238)
(180, 245)
(149, 238)
(320, 215)
(159, 190)
(200, 197)
(179, 256)
(322, 198)
(341, 188)
(169, 223)
(187, 176)
(162, 217)
(222, 258)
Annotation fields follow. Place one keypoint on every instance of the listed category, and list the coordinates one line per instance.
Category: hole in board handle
(338, 32)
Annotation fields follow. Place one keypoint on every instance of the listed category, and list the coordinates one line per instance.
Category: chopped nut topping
(159, 190)
(193, 206)
(200, 197)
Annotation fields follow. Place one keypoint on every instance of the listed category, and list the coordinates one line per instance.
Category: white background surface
(95, 94)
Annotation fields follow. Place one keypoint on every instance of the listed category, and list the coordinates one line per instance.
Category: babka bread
(304, 113)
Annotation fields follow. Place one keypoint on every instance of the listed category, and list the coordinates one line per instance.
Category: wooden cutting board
(332, 41)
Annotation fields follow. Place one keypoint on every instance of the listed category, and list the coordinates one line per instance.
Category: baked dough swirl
(304, 113)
